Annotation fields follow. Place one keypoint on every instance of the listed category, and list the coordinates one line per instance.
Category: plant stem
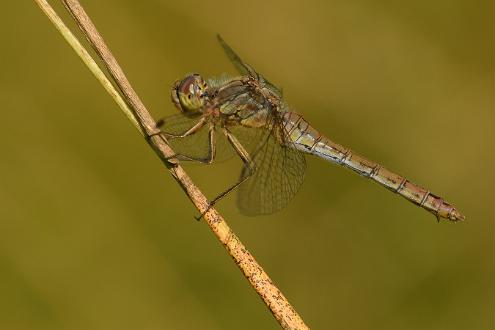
(135, 110)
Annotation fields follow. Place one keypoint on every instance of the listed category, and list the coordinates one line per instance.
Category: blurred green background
(95, 234)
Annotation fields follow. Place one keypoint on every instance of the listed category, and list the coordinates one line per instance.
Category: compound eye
(190, 93)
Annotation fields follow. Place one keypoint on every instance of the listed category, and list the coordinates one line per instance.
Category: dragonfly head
(190, 93)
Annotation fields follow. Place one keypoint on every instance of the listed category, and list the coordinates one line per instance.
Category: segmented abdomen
(309, 140)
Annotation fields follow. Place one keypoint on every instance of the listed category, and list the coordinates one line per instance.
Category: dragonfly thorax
(190, 93)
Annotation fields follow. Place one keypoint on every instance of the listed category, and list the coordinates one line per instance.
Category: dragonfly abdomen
(309, 140)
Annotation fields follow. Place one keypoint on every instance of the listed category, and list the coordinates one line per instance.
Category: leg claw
(199, 217)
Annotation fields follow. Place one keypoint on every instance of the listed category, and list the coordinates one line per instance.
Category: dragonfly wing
(243, 67)
(197, 145)
(240, 65)
(279, 173)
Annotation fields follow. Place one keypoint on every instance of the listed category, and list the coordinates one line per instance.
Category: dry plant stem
(140, 117)
(88, 60)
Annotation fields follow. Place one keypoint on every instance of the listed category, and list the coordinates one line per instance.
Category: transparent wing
(239, 64)
(279, 171)
(197, 145)
(243, 67)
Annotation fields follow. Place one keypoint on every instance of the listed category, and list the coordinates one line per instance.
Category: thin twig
(140, 117)
(88, 60)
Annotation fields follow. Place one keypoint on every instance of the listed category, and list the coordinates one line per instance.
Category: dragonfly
(247, 117)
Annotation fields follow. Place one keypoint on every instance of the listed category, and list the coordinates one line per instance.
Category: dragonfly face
(190, 93)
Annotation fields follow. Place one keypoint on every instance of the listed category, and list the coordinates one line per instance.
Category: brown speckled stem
(140, 117)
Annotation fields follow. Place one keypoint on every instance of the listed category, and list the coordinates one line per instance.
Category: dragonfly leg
(193, 130)
(188, 132)
(212, 150)
(246, 159)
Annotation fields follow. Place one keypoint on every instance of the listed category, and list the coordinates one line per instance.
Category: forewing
(243, 67)
(239, 64)
(279, 173)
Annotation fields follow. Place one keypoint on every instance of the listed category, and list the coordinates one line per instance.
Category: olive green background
(95, 234)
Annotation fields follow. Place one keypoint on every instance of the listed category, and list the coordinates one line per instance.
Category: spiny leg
(212, 150)
(246, 159)
(191, 131)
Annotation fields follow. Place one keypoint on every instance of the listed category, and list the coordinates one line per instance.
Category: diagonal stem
(135, 110)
